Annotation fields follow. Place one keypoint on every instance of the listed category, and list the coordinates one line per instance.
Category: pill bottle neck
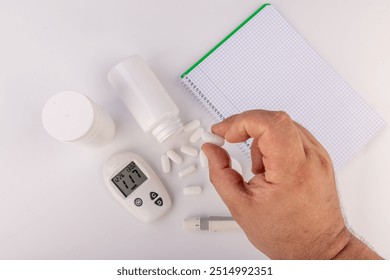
(167, 129)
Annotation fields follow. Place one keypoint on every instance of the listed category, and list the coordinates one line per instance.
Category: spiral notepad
(265, 64)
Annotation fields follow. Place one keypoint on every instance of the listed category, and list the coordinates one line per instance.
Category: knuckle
(317, 165)
(281, 117)
(325, 161)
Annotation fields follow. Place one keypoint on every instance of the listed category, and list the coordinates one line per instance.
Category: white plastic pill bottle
(72, 117)
(145, 98)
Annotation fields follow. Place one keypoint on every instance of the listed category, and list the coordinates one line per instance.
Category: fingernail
(214, 126)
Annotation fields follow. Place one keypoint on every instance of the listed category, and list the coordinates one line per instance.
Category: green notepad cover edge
(224, 40)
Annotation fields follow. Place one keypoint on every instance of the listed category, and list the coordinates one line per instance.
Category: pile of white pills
(198, 133)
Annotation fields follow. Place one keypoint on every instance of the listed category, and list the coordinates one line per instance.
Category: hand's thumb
(228, 182)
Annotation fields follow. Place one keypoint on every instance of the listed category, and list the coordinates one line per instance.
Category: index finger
(278, 137)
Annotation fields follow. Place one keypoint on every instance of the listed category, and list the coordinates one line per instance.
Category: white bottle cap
(72, 117)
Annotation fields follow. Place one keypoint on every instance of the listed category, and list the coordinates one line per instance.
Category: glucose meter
(136, 186)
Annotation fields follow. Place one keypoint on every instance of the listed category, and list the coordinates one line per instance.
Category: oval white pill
(196, 135)
(212, 138)
(203, 159)
(187, 171)
(166, 165)
(192, 125)
(174, 157)
(188, 150)
(192, 190)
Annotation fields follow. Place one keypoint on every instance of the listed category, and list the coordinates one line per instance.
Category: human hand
(290, 208)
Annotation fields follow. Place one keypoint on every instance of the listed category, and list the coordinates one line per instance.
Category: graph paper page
(265, 64)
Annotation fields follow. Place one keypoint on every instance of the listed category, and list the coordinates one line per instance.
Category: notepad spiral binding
(211, 110)
(197, 94)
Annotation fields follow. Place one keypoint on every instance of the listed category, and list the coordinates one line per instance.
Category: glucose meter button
(153, 195)
(138, 202)
(159, 202)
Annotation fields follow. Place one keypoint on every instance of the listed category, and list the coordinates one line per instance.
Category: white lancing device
(212, 223)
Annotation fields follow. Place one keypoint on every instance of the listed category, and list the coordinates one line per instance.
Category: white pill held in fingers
(192, 190)
(174, 157)
(192, 125)
(166, 165)
(212, 138)
(203, 159)
(187, 171)
(196, 135)
(188, 150)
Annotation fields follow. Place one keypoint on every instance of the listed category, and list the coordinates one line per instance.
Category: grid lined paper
(267, 65)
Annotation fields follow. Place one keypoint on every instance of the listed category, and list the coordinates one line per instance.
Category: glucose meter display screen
(129, 179)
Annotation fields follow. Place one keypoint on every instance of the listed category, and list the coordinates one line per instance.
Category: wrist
(336, 243)
(355, 249)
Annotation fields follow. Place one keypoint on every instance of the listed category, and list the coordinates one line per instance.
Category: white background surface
(53, 202)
